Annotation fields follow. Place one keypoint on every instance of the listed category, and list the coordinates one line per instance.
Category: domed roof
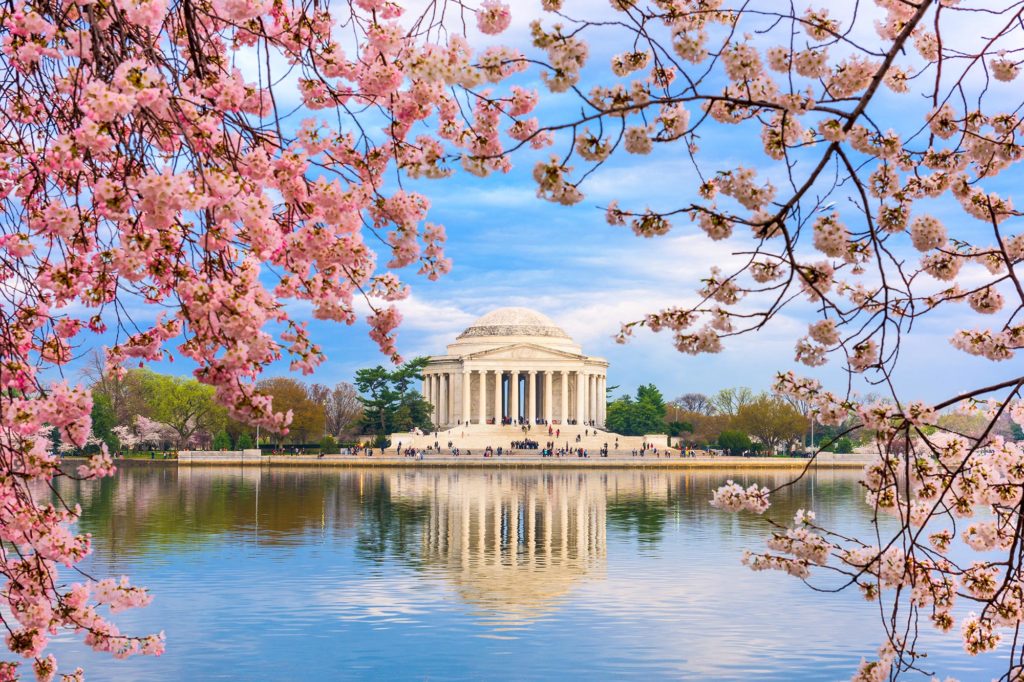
(514, 322)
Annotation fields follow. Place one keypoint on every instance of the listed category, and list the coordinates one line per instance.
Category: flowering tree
(149, 160)
(837, 217)
(145, 432)
(153, 433)
(126, 436)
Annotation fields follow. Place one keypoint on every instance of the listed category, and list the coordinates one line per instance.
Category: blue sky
(510, 248)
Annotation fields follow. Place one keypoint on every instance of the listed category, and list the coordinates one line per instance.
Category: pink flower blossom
(493, 17)
(733, 497)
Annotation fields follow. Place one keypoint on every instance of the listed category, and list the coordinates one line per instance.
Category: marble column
(526, 394)
(449, 401)
(432, 397)
(481, 413)
(466, 409)
(442, 411)
(565, 396)
(602, 398)
(439, 392)
(531, 392)
(513, 396)
(581, 393)
(442, 399)
(441, 402)
(587, 397)
(497, 396)
(437, 398)
(592, 393)
(549, 378)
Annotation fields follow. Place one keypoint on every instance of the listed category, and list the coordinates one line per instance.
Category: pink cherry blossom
(493, 16)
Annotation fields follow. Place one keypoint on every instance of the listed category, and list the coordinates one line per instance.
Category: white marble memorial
(515, 363)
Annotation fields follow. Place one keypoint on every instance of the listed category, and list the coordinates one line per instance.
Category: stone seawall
(220, 457)
(526, 461)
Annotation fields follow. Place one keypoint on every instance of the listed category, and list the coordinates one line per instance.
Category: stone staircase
(477, 437)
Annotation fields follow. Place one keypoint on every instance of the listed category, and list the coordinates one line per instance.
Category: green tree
(328, 446)
(640, 416)
(970, 425)
(185, 405)
(104, 420)
(771, 420)
(678, 428)
(222, 441)
(245, 442)
(843, 446)
(378, 396)
(734, 442)
(390, 399)
(650, 395)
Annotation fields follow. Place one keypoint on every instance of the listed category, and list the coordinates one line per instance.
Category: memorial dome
(514, 322)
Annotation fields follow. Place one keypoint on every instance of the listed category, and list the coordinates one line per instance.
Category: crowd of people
(571, 452)
(549, 449)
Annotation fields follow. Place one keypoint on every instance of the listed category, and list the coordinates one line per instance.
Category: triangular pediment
(523, 351)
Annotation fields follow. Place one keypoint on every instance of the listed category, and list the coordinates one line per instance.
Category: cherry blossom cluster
(872, 220)
(922, 475)
(734, 497)
(811, 101)
(142, 170)
(864, 220)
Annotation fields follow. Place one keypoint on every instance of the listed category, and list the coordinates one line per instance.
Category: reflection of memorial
(511, 543)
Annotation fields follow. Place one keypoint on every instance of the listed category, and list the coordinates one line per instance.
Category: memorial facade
(515, 365)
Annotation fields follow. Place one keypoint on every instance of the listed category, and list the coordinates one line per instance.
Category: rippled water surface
(322, 574)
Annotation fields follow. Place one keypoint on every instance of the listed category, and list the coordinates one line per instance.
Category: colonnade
(529, 522)
(469, 395)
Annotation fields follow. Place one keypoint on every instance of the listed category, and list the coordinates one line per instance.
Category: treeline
(734, 419)
(146, 410)
(739, 420)
(142, 409)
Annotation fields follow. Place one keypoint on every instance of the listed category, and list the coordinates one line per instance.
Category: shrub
(736, 442)
(222, 441)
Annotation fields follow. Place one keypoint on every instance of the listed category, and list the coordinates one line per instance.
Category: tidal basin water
(461, 574)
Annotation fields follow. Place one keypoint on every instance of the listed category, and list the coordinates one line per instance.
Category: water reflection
(417, 573)
(512, 544)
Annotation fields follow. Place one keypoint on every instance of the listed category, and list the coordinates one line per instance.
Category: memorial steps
(477, 437)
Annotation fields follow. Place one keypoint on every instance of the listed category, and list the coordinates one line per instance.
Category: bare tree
(342, 409)
(127, 392)
(730, 400)
(694, 402)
